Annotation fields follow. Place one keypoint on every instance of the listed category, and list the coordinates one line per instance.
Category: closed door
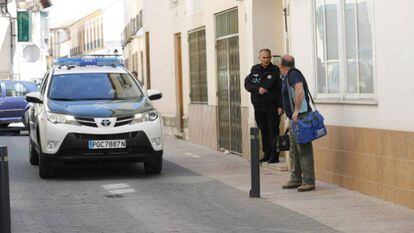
(229, 113)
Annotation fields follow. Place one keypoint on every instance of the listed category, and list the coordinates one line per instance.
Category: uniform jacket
(269, 79)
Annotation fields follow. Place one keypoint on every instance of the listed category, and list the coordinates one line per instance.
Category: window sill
(371, 102)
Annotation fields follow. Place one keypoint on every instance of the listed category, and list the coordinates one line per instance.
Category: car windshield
(93, 86)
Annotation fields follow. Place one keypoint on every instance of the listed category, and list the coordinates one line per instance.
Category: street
(121, 198)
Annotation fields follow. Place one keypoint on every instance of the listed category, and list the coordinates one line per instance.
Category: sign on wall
(23, 26)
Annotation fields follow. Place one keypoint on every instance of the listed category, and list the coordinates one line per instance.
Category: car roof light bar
(89, 61)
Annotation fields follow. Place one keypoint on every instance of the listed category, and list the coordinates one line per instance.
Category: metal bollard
(254, 163)
(5, 221)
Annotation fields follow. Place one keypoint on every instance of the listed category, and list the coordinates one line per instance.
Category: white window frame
(343, 97)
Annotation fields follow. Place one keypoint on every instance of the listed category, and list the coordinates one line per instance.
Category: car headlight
(60, 119)
(145, 116)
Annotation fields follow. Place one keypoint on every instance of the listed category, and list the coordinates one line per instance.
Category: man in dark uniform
(265, 87)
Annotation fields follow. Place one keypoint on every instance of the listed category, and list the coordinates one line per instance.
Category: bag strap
(290, 94)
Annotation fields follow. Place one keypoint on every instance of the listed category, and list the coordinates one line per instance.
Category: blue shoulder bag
(310, 127)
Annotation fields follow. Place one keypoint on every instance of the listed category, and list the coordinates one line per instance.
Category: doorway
(179, 85)
(228, 74)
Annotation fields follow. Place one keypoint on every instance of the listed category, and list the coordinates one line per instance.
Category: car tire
(33, 155)
(46, 170)
(4, 125)
(153, 167)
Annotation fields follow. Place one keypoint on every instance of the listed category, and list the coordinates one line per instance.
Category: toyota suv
(92, 109)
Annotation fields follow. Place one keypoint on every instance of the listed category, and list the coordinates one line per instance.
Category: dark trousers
(268, 120)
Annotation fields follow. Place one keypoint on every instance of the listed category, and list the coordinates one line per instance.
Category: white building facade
(198, 53)
(24, 60)
(7, 29)
(356, 56)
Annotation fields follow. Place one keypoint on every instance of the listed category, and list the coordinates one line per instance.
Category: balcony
(133, 26)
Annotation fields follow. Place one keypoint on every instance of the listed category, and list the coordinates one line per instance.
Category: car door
(14, 102)
(2, 112)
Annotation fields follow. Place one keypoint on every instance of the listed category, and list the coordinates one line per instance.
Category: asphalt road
(121, 198)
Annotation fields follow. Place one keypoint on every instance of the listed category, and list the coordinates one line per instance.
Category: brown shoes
(299, 186)
(291, 185)
(306, 188)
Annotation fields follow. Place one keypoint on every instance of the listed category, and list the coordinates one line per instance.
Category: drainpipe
(7, 14)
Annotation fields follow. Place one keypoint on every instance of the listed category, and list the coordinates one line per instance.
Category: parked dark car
(13, 105)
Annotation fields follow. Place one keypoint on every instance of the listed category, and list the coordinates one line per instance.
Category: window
(198, 66)
(94, 86)
(15, 89)
(227, 24)
(344, 49)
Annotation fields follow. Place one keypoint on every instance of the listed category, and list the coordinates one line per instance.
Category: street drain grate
(114, 196)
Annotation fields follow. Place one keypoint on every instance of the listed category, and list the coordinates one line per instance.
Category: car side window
(16, 89)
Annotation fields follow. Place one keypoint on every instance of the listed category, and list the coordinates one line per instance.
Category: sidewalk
(339, 208)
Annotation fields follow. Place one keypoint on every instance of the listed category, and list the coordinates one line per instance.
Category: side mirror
(154, 94)
(34, 97)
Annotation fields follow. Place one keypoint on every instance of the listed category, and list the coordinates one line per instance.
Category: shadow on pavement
(13, 131)
(100, 171)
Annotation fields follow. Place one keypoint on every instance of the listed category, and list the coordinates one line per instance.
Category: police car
(92, 109)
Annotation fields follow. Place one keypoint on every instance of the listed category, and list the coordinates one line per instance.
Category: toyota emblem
(105, 122)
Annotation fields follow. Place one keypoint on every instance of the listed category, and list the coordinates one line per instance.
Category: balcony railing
(133, 26)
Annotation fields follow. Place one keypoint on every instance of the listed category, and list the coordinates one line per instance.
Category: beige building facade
(99, 33)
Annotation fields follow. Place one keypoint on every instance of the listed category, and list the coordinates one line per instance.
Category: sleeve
(249, 85)
(295, 77)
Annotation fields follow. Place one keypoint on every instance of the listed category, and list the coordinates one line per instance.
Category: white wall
(28, 70)
(160, 21)
(64, 49)
(113, 25)
(5, 48)
(394, 60)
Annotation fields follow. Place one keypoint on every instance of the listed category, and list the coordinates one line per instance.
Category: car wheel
(46, 170)
(26, 120)
(153, 167)
(4, 125)
(33, 155)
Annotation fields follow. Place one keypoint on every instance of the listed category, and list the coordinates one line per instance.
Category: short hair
(266, 50)
(288, 61)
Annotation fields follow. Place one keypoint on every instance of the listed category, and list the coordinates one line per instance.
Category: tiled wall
(375, 162)
(202, 126)
(245, 132)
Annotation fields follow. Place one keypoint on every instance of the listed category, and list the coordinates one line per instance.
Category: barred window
(344, 49)
(198, 66)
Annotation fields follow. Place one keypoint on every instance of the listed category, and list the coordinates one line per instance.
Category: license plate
(106, 144)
